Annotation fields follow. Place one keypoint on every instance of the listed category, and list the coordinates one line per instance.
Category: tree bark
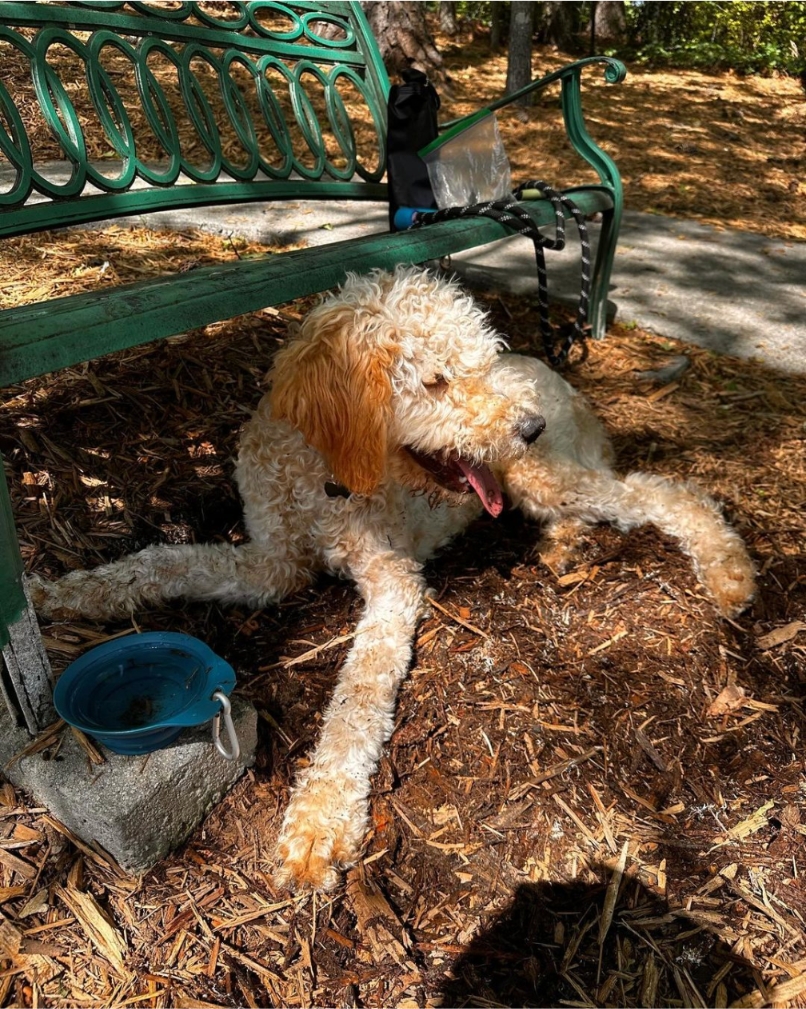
(609, 22)
(519, 65)
(559, 23)
(447, 17)
(496, 25)
(404, 39)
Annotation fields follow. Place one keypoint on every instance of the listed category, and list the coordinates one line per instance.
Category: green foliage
(476, 11)
(751, 37)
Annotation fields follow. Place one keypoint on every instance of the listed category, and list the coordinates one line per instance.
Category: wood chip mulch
(718, 147)
(595, 792)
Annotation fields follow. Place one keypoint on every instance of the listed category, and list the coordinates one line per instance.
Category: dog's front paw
(322, 833)
(92, 595)
(47, 599)
(37, 589)
(732, 582)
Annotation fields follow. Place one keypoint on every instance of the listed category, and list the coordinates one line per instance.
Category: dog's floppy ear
(338, 394)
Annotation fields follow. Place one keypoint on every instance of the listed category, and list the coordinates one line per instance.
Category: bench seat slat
(46, 336)
(109, 206)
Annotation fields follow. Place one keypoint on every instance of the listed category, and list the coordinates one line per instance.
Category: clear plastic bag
(468, 164)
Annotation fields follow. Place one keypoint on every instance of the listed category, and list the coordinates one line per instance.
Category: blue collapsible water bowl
(138, 693)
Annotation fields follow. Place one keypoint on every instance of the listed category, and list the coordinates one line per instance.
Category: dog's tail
(247, 573)
(558, 489)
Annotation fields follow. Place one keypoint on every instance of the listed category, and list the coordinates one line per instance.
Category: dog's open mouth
(463, 477)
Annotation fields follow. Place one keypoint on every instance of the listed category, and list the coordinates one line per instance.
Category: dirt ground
(595, 793)
(548, 721)
(717, 148)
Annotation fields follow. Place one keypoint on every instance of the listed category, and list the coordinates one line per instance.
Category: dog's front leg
(552, 488)
(326, 820)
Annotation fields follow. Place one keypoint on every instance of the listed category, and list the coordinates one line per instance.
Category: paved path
(730, 291)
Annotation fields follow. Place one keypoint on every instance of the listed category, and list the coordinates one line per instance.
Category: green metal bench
(198, 105)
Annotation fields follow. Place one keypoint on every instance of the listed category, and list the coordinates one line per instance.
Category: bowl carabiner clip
(226, 710)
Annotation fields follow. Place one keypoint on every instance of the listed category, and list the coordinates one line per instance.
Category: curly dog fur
(394, 418)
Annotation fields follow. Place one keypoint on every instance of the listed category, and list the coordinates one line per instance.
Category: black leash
(513, 216)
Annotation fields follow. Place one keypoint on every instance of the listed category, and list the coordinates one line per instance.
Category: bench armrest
(581, 140)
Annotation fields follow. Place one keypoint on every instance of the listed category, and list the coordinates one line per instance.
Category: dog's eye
(438, 384)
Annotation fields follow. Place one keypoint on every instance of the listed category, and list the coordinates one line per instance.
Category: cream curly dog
(393, 419)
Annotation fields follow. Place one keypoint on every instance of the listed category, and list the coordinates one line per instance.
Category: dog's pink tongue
(485, 485)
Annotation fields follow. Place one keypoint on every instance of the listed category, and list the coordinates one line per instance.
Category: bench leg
(600, 283)
(26, 681)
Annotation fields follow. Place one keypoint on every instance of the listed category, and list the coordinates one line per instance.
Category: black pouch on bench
(411, 124)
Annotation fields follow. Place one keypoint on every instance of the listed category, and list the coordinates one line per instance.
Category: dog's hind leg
(552, 488)
(327, 817)
(247, 573)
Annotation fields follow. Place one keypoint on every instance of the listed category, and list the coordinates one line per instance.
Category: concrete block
(136, 808)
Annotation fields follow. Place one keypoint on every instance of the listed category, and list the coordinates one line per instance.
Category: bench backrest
(191, 104)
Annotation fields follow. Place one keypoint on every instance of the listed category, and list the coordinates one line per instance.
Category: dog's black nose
(532, 428)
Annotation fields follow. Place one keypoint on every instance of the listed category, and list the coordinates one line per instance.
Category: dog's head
(399, 376)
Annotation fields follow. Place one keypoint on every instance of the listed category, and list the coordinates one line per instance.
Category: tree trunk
(519, 65)
(447, 17)
(559, 23)
(404, 39)
(592, 28)
(609, 22)
(496, 25)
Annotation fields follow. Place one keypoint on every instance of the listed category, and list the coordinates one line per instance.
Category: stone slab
(137, 808)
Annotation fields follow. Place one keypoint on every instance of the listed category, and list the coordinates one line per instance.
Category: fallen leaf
(37, 904)
(780, 635)
(731, 698)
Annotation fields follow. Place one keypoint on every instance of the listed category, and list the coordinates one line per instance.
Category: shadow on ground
(547, 949)
(554, 720)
